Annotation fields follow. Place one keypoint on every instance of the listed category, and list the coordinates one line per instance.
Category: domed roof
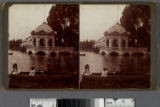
(43, 27)
(116, 29)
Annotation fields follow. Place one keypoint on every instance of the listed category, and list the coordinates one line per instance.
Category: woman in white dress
(15, 70)
(104, 72)
(32, 72)
(87, 70)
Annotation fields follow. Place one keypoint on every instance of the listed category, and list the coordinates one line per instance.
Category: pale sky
(96, 19)
(23, 18)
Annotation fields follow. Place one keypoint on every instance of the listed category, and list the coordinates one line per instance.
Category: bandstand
(116, 42)
(43, 42)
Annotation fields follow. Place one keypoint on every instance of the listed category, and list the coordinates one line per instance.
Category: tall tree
(15, 44)
(64, 19)
(136, 19)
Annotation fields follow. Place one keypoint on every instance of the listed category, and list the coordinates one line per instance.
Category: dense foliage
(87, 45)
(136, 19)
(64, 19)
(15, 44)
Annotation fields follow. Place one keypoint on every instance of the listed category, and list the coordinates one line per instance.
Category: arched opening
(53, 54)
(115, 43)
(30, 52)
(50, 42)
(34, 42)
(107, 43)
(123, 43)
(40, 53)
(126, 54)
(114, 53)
(103, 53)
(64, 53)
(42, 42)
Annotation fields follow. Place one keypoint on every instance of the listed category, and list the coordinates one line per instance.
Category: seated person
(49, 69)
(32, 72)
(15, 70)
(87, 70)
(104, 72)
(119, 68)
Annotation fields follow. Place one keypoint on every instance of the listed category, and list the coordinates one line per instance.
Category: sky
(23, 18)
(96, 19)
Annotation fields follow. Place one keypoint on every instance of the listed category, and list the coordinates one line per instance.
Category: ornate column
(53, 41)
(110, 42)
(37, 42)
(46, 42)
(120, 43)
(126, 42)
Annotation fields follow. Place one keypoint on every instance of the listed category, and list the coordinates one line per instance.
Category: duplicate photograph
(43, 46)
(115, 46)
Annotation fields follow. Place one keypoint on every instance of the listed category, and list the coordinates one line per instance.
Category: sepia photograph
(115, 46)
(43, 46)
(79, 46)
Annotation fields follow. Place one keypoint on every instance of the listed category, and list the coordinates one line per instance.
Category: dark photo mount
(80, 46)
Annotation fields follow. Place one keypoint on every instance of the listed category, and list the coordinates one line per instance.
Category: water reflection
(129, 64)
(58, 63)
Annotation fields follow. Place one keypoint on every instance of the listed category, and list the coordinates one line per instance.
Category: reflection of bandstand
(116, 42)
(50, 50)
(124, 51)
(43, 42)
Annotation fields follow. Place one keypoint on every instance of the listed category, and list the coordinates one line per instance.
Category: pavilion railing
(53, 48)
(124, 49)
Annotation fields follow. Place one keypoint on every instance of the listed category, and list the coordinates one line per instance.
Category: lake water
(58, 63)
(70, 63)
(128, 64)
(132, 64)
